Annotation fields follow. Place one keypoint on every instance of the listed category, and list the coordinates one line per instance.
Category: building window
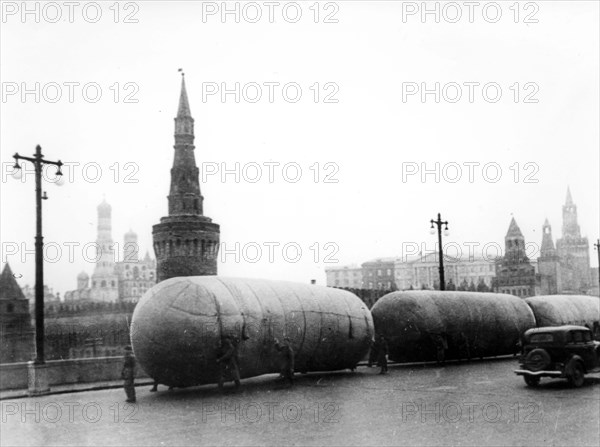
(10, 307)
(389, 272)
(103, 284)
(378, 272)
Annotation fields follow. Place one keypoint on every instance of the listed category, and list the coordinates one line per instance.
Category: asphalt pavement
(478, 404)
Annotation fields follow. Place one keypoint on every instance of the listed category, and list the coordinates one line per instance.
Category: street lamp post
(597, 247)
(439, 224)
(38, 161)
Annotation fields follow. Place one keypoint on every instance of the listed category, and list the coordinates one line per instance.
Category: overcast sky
(365, 117)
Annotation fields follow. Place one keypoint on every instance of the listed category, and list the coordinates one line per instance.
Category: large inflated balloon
(177, 327)
(556, 310)
(491, 323)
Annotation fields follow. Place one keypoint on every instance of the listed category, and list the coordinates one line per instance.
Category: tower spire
(185, 196)
(9, 289)
(184, 105)
(570, 226)
(513, 229)
(569, 200)
(547, 248)
(514, 243)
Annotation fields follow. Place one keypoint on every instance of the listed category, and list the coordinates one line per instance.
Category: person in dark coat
(128, 374)
(464, 350)
(228, 361)
(382, 353)
(287, 359)
(441, 345)
(372, 353)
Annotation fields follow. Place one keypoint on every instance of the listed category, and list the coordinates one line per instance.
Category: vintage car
(562, 352)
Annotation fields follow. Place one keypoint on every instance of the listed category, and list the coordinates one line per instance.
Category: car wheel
(576, 378)
(537, 360)
(532, 381)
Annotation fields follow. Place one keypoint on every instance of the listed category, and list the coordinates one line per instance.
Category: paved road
(477, 404)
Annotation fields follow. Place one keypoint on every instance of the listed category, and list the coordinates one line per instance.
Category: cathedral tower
(104, 278)
(186, 242)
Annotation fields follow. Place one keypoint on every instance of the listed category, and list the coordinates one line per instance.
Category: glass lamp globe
(17, 173)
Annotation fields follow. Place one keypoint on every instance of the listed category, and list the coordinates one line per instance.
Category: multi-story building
(379, 274)
(422, 272)
(515, 274)
(135, 275)
(419, 272)
(349, 276)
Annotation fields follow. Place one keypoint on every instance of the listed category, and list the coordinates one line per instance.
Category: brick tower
(573, 251)
(514, 272)
(16, 332)
(186, 242)
(549, 264)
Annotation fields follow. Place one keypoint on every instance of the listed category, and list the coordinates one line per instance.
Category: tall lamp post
(597, 247)
(37, 379)
(439, 224)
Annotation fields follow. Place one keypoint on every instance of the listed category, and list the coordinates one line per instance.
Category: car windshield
(541, 338)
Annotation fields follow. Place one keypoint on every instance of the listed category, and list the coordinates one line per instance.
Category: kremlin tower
(186, 242)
